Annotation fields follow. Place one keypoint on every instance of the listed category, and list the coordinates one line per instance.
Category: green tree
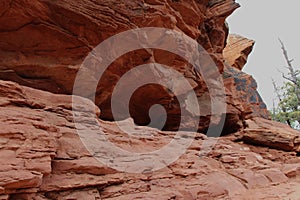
(288, 96)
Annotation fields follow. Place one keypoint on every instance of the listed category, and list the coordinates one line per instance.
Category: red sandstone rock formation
(42, 45)
(43, 158)
(237, 50)
(243, 100)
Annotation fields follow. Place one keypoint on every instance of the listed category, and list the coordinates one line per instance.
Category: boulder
(271, 134)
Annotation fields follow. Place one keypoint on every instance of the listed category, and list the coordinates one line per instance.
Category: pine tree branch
(276, 90)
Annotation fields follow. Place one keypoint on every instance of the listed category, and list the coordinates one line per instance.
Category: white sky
(265, 21)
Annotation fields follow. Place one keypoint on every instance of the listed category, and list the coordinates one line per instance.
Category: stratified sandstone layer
(237, 50)
(43, 44)
(243, 100)
(42, 157)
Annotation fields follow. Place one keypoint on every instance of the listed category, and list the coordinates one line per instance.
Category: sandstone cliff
(43, 44)
(242, 87)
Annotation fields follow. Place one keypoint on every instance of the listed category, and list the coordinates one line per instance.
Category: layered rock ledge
(42, 157)
(43, 44)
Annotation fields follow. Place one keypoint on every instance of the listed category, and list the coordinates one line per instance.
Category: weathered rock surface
(43, 44)
(272, 134)
(241, 88)
(242, 94)
(237, 50)
(43, 158)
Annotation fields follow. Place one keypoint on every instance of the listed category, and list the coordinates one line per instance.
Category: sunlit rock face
(237, 50)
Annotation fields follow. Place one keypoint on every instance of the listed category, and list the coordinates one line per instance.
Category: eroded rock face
(43, 44)
(237, 50)
(242, 93)
(43, 158)
(241, 88)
